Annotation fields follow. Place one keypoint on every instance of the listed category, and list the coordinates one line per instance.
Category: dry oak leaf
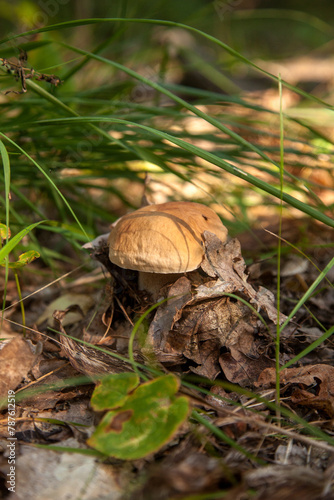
(16, 360)
(193, 328)
(225, 262)
(241, 369)
(316, 385)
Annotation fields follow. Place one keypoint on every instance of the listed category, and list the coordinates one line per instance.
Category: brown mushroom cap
(165, 238)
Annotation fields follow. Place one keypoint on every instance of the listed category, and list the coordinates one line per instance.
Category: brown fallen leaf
(178, 295)
(193, 329)
(318, 402)
(226, 262)
(86, 359)
(16, 360)
(65, 301)
(241, 369)
(315, 385)
(196, 330)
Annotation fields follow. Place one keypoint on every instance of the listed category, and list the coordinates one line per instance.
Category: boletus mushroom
(163, 241)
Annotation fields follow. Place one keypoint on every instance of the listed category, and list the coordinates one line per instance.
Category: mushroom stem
(153, 282)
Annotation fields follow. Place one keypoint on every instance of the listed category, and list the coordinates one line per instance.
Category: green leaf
(16, 239)
(24, 259)
(114, 390)
(4, 232)
(148, 419)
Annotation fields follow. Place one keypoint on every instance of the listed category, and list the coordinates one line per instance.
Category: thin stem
(279, 248)
(21, 302)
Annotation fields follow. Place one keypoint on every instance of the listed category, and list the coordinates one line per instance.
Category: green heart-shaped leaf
(114, 390)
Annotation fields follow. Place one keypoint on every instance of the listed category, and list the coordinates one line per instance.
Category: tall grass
(86, 143)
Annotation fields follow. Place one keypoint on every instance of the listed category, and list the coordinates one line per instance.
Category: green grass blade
(134, 332)
(6, 170)
(49, 180)
(57, 102)
(279, 250)
(11, 244)
(210, 157)
(308, 294)
(295, 15)
(177, 99)
(160, 22)
(290, 415)
(308, 349)
(224, 437)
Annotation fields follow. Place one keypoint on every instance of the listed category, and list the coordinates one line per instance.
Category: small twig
(22, 73)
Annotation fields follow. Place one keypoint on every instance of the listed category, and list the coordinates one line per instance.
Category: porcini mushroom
(161, 241)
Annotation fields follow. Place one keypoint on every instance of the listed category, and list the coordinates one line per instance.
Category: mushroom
(163, 241)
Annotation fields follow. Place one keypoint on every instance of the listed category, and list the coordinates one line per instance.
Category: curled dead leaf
(193, 329)
(315, 385)
(226, 262)
(87, 359)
